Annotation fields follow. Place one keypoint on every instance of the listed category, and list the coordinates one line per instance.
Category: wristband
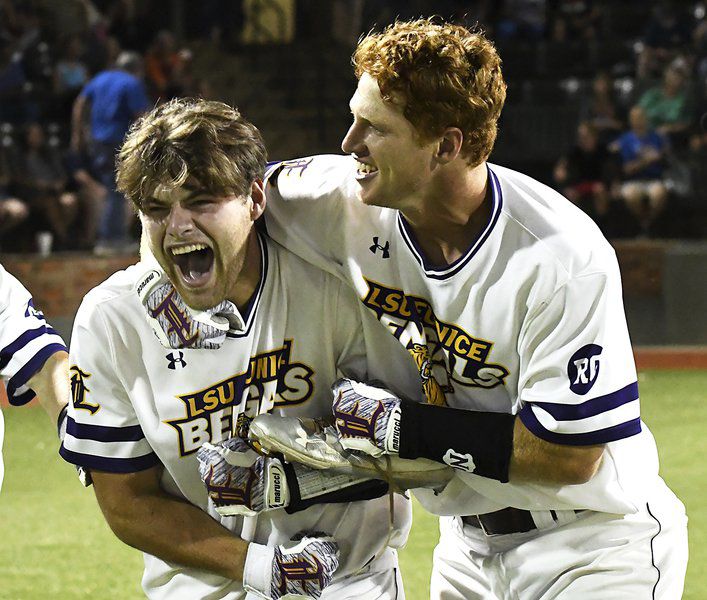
(471, 441)
(257, 571)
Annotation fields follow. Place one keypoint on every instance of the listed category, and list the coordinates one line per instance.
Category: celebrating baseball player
(171, 358)
(508, 299)
(33, 357)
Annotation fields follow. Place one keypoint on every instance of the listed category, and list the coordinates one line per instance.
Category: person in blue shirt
(642, 155)
(115, 97)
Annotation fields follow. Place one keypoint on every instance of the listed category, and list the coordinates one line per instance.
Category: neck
(249, 277)
(451, 216)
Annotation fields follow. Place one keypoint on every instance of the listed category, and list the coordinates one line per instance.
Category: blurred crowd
(640, 137)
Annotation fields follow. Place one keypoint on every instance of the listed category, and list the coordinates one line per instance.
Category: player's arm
(51, 384)
(536, 460)
(493, 445)
(143, 516)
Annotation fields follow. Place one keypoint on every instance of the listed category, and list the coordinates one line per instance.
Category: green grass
(55, 544)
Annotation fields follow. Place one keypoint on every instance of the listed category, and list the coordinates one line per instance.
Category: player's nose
(180, 220)
(353, 141)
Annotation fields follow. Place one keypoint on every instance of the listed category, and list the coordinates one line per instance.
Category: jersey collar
(251, 307)
(441, 273)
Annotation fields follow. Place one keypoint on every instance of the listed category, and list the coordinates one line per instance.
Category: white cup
(45, 239)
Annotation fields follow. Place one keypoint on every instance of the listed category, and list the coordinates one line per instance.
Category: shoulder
(313, 178)
(115, 296)
(548, 228)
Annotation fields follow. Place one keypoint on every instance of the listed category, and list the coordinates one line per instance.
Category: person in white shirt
(142, 412)
(33, 357)
(509, 300)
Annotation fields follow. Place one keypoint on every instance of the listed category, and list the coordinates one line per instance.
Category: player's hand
(366, 417)
(175, 324)
(239, 481)
(298, 569)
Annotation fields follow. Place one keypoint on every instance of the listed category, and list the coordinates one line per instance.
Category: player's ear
(450, 145)
(257, 197)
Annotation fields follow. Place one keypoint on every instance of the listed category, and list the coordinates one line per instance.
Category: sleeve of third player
(102, 431)
(305, 200)
(26, 339)
(578, 383)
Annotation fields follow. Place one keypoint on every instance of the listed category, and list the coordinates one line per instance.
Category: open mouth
(365, 171)
(194, 263)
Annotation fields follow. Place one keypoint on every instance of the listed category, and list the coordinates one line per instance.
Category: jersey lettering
(444, 352)
(79, 390)
(271, 380)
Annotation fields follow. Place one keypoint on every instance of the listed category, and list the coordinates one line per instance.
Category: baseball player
(250, 328)
(508, 299)
(33, 357)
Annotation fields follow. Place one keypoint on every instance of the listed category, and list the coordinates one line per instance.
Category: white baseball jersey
(26, 342)
(137, 404)
(528, 321)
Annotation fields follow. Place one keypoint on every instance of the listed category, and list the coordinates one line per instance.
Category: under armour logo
(376, 246)
(176, 359)
(457, 460)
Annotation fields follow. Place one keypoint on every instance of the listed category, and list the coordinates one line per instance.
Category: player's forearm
(175, 531)
(51, 384)
(493, 445)
(538, 461)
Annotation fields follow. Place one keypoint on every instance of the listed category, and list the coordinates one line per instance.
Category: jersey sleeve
(26, 339)
(578, 383)
(305, 207)
(103, 432)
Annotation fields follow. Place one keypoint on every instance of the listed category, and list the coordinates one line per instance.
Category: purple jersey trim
(110, 465)
(20, 342)
(103, 433)
(252, 306)
(31, 367)
(600, 436)
(449, 271)
(589, 408)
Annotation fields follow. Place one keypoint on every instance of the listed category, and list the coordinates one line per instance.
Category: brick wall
(59, 282)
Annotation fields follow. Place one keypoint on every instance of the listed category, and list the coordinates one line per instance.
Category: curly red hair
(446, 75)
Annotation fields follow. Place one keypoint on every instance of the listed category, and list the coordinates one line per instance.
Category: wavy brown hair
(447, 76)
(202, 142)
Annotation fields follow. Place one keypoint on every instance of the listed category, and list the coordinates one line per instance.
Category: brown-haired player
(170, 357)
(516, 297)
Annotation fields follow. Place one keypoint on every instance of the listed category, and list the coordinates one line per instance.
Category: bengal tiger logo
(433, 391)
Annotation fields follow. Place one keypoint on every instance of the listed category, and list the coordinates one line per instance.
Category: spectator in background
(91, 195)
(584, 174)
(575, 20)
(668, 107)
(70, 74)
(167, 69)
(667, 37)
(522, 19)
(42, 183)
(13, 211)
(642, 153)
(602, 108)
(115, 97)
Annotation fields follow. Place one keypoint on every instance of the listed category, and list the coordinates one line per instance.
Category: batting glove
(175, 324)
(366, 417)
(298, 569)
(241, 482)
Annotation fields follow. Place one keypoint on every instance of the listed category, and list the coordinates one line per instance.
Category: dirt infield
(647, 357)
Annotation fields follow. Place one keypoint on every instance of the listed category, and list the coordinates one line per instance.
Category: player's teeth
(188, 248)
(364, 168)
